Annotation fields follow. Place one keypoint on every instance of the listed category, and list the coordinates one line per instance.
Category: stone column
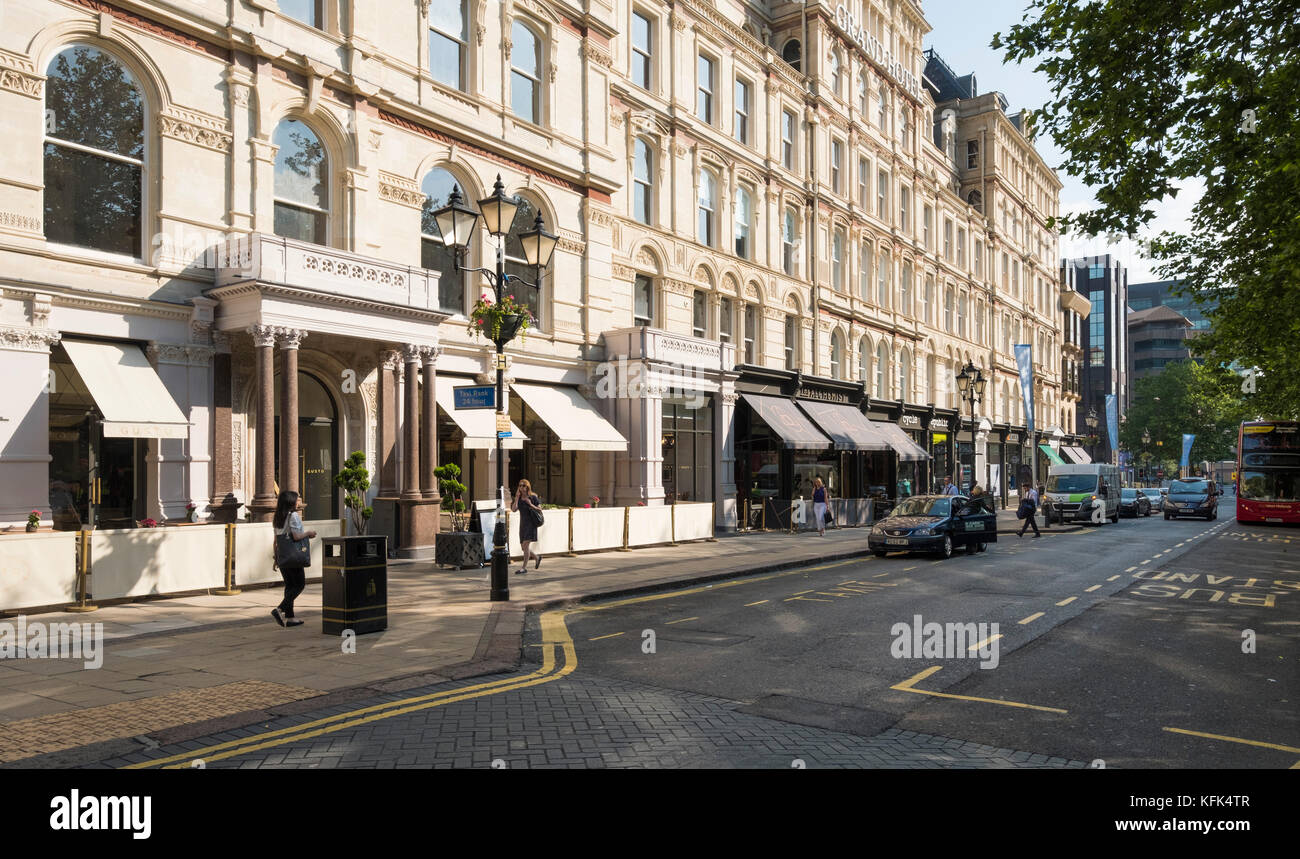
(411, 426)
(390, 365)
(289, 339)
(262, 506)
(418, 513)
(724, 441)
(223, 504)
(429, 425)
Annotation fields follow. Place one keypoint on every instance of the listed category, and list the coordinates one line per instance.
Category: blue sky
(961, 35)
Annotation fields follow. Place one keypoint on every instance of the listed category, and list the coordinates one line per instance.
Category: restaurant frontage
(792, 430)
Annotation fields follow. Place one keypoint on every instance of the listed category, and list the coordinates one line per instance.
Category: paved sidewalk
(174, 667)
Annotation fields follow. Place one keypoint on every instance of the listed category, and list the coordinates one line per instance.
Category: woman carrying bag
(529, 520)
(819, 497)
(292, 555)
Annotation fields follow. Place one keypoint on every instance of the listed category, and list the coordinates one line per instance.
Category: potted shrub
(34, 520)
(459, 547)
(354, 480)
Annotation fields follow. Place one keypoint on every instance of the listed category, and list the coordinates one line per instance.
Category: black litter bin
(354, 586)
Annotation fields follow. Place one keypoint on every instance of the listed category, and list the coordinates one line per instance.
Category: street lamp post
(970, 386)
(1091, 421)
(456, 223)
(1146, 456)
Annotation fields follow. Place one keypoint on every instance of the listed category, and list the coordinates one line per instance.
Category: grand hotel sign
(877, 52)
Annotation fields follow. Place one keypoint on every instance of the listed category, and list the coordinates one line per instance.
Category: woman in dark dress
(288, 521)
(526, 502)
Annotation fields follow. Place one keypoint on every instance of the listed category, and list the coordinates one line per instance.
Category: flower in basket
(487, 317)
(148, 523)
(34, 519)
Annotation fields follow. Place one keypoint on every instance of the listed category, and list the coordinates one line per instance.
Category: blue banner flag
(1112, 420)
(1025, 363)
(1188, 438)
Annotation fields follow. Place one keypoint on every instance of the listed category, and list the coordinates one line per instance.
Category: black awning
(847, 427)
(788, 422)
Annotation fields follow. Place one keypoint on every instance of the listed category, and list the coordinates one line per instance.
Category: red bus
(1268, 472)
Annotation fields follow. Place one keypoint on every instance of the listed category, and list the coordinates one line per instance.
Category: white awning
(126, 388)
(571, 417)
(479, 425)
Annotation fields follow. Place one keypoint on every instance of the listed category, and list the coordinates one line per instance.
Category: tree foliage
(354, 480)
(1186, 397)
(1149, 94)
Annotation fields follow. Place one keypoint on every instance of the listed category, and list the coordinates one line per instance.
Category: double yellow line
(555, 637)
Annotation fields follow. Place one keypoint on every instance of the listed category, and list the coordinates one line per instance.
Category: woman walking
(529, 520)
(819, 496)
(288, 523)
(1028, 506)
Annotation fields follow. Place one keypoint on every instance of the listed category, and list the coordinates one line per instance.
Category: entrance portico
(367, 331)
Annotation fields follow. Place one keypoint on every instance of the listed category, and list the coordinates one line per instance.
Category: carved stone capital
(263, 335)
(429, 355)
(290, 338)
(411, 353)
(27, 339)
(390, 359)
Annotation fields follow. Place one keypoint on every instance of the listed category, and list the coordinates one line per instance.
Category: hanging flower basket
(499, 321)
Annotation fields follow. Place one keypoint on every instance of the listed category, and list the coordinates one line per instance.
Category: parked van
(1073, 491)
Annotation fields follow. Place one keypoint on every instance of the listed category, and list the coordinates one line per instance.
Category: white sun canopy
(126, 388)
(479, 425)
(571, 418)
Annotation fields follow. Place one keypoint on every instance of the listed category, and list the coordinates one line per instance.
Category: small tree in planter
(451, 489)
(354, 480)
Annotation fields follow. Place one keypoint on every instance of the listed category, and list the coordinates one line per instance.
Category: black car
(1193, 497)
(934, 523)
(1134, 502)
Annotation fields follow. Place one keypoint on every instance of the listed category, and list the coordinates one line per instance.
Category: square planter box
(458, 549)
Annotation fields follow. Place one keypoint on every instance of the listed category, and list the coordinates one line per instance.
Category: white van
(1082, 493)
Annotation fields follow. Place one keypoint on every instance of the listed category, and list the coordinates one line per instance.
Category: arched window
(525, 216)
(744, 214)
(94, 153)
(979, 322)
(905, 128)
(976, 200)
(864, 360)
(837, 355)
(791, 343)
(525, 73)
(905, 289)
(882, 112)
(792, 53)
(862, 95)
(947, 310)
(928, 394)
(864, 271)
(905, 376)
(787, 242)
(836, 69)
(751, 333)
(643, 182)
(882, 372)
(962, 302)
(434, 255)
(837, 260)
(708, 205)
(927, 299)
(643, 301)
(699, 314)
(448, 42)
(301, 183)
(882, 280)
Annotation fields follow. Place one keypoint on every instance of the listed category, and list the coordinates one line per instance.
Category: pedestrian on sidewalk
(529, 520)
(1028, 507)
(820, 497)
(949, 488)
(293, 569)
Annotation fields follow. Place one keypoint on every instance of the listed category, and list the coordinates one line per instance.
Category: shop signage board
(475, 397)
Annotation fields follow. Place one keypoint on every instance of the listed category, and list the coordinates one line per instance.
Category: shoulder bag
(536, 513)
(290, 552)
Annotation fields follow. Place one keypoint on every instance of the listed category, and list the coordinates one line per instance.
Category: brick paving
(26, 738)
(584, 722)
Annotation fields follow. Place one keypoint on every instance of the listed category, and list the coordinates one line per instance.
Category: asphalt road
(1119, 645)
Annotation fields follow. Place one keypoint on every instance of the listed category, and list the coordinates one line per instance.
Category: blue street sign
(475, 397)
(503, 435)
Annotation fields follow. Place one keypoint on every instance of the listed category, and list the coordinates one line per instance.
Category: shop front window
(687, 444)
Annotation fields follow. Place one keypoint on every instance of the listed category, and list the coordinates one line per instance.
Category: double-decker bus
(1268, 471)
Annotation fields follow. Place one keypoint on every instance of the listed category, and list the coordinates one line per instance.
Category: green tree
(451, 489)
(354, 480)
(1149, 94)
(1186, 397)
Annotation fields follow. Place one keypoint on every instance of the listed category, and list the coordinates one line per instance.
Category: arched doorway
(318, 459)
